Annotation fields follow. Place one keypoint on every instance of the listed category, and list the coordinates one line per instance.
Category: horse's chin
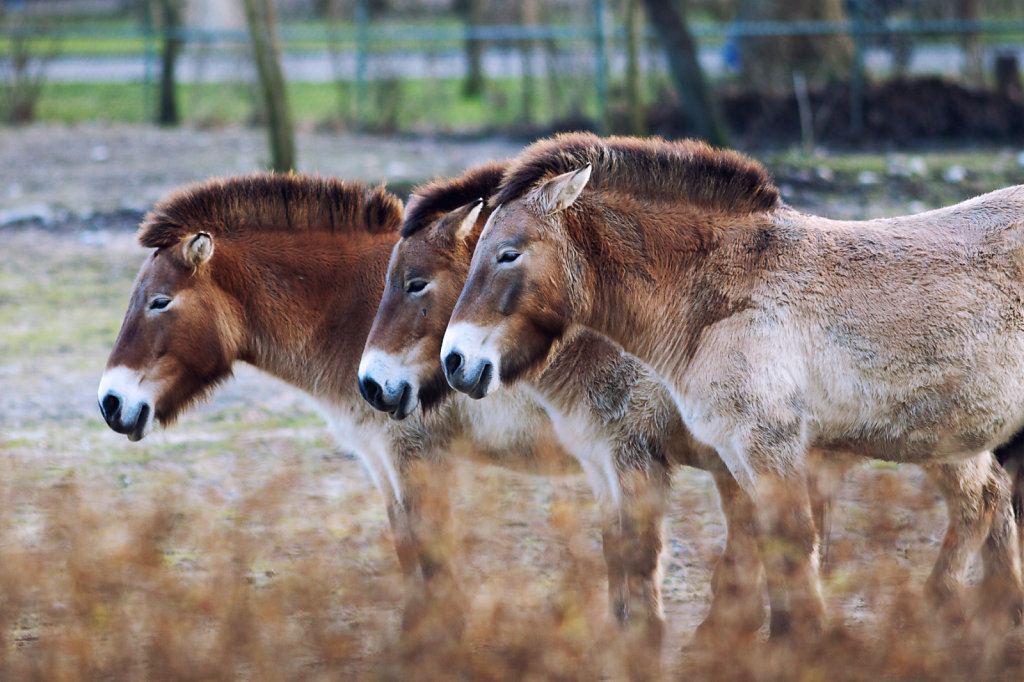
(141, 426)
(407, 402)
(433, 391)
(402, 410)
(527, 360)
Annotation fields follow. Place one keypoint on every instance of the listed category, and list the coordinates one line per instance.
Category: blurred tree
(669, 21)
(769, 61)
(169, 15)
(967, 10)
(473, 15)
(24, 56)
(634, 86)
(263, 33)
(1008, 81)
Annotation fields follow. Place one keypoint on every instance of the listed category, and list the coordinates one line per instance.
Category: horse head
(177, 341)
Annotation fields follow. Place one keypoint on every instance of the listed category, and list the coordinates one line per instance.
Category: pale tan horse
(285, 273)
(777, 332)
(607, 408)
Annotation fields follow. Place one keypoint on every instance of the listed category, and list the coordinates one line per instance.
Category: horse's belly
(880, 442)
(927, 426)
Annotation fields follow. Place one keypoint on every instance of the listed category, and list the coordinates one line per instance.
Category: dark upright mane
(231, 206)
(443, 196)
(685, 170)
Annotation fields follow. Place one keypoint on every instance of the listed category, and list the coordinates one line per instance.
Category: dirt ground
(250, 496)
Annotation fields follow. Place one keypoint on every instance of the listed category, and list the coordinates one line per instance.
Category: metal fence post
(148, 60)
(362, 47)
(857, 69)
(601, 67)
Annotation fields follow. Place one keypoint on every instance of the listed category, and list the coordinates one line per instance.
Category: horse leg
(962, 485)
(737, 597)
(420, 521)
(1001, 584)
(978, 500)
(633, 541)
(1011, 457)
(787, 537)
(823, 478)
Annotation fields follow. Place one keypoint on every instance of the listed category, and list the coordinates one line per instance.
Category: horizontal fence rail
(369, 53)
(427, 34)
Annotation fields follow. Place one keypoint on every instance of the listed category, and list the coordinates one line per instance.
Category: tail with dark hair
(1011, 456)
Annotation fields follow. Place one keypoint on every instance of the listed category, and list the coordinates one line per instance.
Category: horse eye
(159, 303)
(415, 286)
(507, 256)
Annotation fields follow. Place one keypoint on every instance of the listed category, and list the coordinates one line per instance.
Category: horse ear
(558, 193)
(469, 220)
(198, 249)
(411, 202)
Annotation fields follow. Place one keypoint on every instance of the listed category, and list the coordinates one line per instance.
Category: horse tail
(1011, 456)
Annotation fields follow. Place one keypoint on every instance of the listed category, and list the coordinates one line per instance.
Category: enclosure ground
(242, 543)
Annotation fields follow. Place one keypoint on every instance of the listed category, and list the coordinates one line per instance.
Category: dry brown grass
(188, 582)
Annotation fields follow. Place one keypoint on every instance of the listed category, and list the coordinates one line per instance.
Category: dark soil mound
(897, 113)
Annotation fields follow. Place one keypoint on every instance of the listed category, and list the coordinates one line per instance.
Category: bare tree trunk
(769, 61)
(259, 14)
(473, 12)
(169, 13)
(669, 22)
(634, 85)
(23, 72)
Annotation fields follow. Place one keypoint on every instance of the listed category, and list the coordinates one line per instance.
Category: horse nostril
(370, 390)
(453, 362)
(110, 407)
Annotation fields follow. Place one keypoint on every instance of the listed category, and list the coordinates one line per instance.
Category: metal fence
(381, 71)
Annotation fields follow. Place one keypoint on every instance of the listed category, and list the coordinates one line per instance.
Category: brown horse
(608, 410)
(285, 273)
(777, 332)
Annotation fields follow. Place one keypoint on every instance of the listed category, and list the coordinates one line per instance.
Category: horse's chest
(512, 431)
(365, 436)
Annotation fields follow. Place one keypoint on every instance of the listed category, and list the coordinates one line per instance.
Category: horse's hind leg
(977, 494)
(1001, 584)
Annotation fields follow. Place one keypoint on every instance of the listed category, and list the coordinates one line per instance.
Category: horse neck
(642, 305)
(308, 306)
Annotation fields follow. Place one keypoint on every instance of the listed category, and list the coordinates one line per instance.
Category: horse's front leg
(774, 455)
(633, 542)
(737, 584)
(421, 524)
